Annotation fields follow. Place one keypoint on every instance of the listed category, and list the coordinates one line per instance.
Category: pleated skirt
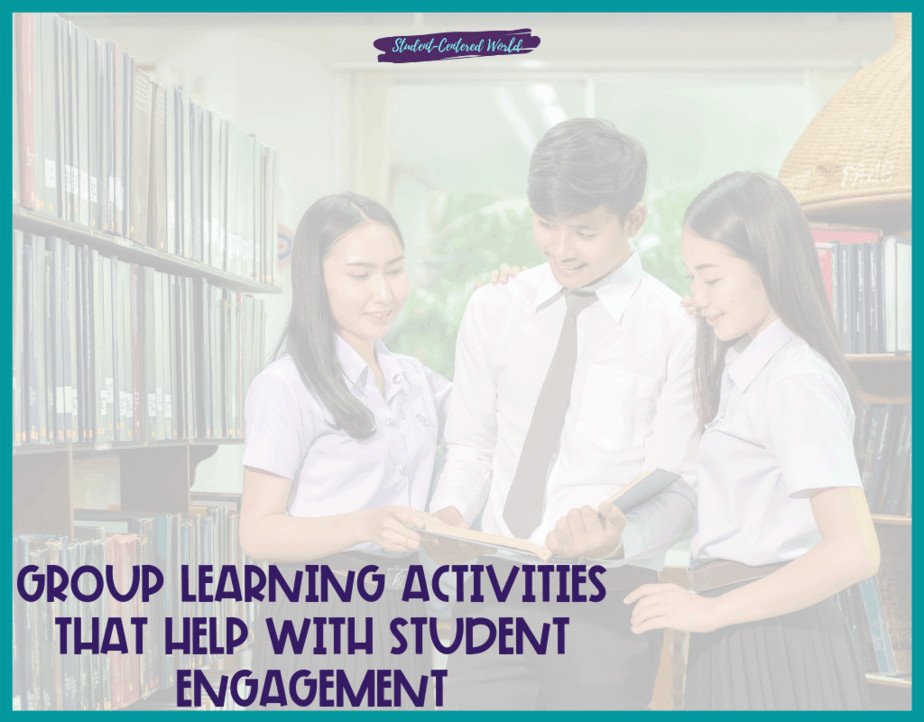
(806, 660)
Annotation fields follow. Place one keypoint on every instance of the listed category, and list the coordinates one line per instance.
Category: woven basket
(857, 150)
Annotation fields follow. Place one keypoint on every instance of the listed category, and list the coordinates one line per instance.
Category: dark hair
(584, 163)
(310, 331)
(756, 217)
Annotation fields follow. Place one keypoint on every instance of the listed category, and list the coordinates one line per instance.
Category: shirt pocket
(616, 408)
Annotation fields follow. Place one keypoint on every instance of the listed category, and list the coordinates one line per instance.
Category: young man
(570, 381)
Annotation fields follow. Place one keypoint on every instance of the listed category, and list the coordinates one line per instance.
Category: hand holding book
(582, 532)
(585, 532)
(441, 538)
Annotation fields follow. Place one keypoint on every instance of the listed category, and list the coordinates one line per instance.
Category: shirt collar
(744, 362)
(614, 290)
(356, 369)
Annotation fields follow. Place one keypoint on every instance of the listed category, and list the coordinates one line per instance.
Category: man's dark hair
(584, 163)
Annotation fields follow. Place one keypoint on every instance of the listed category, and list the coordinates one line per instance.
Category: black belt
(725, 573)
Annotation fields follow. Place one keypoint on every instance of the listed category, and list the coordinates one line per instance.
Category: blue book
(878, 631)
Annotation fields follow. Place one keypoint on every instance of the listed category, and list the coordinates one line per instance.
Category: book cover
(50, 172)
(27, 98)
(140, 157)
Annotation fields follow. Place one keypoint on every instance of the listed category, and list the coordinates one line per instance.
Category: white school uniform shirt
(783, 429)
(631, 402)
(289, 432)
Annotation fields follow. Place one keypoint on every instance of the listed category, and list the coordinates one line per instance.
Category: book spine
(890, 293)
(126, 372)
(150, 380)
(157, 230)
(25, 108)
(72, 344)
(89, 343)
(94, 138)
(137, 352)
(903, 295)
(875, 322)
(879, 633)
(50, 117)
(139, 157)
(170, 180)
(19, 425)
(82, 118)
(54, 336)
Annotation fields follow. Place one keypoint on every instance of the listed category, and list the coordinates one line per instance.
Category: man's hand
(584, 532)
(501, 275)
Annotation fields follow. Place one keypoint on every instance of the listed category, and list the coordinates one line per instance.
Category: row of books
(885, 444)
(878, 610)
(45, 679)
(97, 142)
(868, 280)
(108, 351)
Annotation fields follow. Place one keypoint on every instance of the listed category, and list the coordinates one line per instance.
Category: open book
(642, 488)
(490, 543)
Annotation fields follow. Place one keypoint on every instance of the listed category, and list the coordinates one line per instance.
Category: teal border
(398, 6)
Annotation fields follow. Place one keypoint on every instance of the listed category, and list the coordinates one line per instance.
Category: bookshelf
(127, 250)
(860, 181)
(885, 382)
(143, 235)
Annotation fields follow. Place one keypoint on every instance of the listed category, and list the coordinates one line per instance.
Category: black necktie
(523, 508)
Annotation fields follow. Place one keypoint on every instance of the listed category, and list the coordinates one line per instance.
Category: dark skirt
(809, 659)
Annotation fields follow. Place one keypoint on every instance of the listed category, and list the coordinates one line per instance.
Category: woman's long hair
(310, 333)
(760, 221)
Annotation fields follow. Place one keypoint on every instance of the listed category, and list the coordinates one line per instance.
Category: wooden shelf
(892, 214)
(879, 358)
(883, 377)
(127, 250)
(88, 449)
(898, 682)
(892, 520)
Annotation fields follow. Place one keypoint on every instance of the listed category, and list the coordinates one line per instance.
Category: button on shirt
(291, 434)
(784, 428)
(631, 401)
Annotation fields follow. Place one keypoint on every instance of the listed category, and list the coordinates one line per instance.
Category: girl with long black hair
(782, 521)
(341, 434)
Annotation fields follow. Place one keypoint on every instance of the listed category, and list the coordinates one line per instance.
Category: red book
(827, 236)
(831, 233)
(826, 261)
(25, 100)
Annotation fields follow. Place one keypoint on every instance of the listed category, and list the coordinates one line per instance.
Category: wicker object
(857, 150)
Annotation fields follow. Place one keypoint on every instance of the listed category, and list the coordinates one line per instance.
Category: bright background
(446, 145)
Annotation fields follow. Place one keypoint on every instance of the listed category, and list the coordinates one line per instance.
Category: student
(569, 381)
(782, 522)
(341, 434)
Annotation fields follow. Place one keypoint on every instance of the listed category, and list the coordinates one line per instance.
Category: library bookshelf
(885, 380)
(143, 236)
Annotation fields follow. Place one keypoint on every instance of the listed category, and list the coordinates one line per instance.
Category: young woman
(341, 434)
(782, 522)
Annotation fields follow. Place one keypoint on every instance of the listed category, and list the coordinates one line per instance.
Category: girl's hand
(689, 305)
(669, 606)
(502, 275)
(447, 551)
(393, 527)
